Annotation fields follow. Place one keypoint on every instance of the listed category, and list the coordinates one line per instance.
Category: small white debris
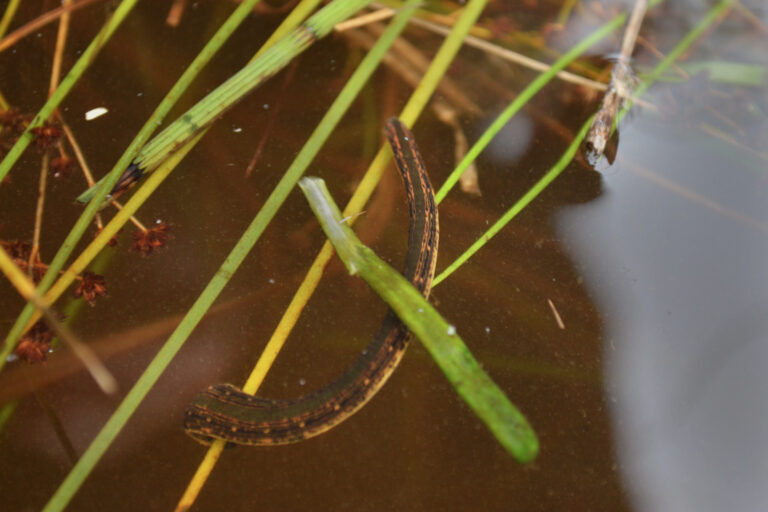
(302, 382)
(266, 106)
(451, 330)
(271, 281)
(350, 217)
(556, 314)
(487, 330)
(94, 113)
(237, 129)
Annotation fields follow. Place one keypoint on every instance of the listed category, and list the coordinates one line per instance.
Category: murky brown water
(651, 398)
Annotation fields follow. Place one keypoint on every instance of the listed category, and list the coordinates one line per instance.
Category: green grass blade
(524, 97)
(364, 190)
(10, 10)
(82, 224)
(516, 208)
(681, 47)
(504, 420)
(294, 18)
(230, 265)
(408, 115)
(241, 83)
(88, 56)
(570, 152)
(127, 407)
(6, 411)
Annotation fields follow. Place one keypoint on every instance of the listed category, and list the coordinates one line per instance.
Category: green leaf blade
(487, 400)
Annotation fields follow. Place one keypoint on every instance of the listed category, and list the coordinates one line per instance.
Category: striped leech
(225, 412)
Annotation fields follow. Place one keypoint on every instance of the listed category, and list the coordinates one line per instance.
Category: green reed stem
(462, 370)
(69, 81)
(10, 11)
(523, 98)
(65, 250)
(570, 152)
(240, 84)
(154, 370)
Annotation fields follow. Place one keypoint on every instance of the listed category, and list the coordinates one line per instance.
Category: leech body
(225, 412)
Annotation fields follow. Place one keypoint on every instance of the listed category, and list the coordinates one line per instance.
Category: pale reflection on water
(675, 254)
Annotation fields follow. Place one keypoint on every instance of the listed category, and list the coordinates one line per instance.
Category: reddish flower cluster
(14, 121)
(150, 240)
(46, 135)
(13, 124)
(35, 344)
(62, 166)
(19, 251)
(91, 286)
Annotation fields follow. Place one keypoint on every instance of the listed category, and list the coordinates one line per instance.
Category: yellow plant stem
(26, 289)
(10, 11)
(15, 275)
(297, 16)
(201, 476)
(410, 113)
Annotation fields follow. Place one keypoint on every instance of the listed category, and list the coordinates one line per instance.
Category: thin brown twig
(34, 253)
(659, 55)
(513, 56)
(556, 314)
(39, 22)
(80, 157)
(733, 125)
(633, 28)
(83, 352)
(26, 289)
(504, 53)
(409, 54)
(695, 197)
(722, 16)
(408, 63)
(133, 219)
(750, 17)
(365, 19)
(714, 132)
(175, 13)
(58, 53)
(469, 181)
(77, 150)
(619, 88)
(61, 42)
